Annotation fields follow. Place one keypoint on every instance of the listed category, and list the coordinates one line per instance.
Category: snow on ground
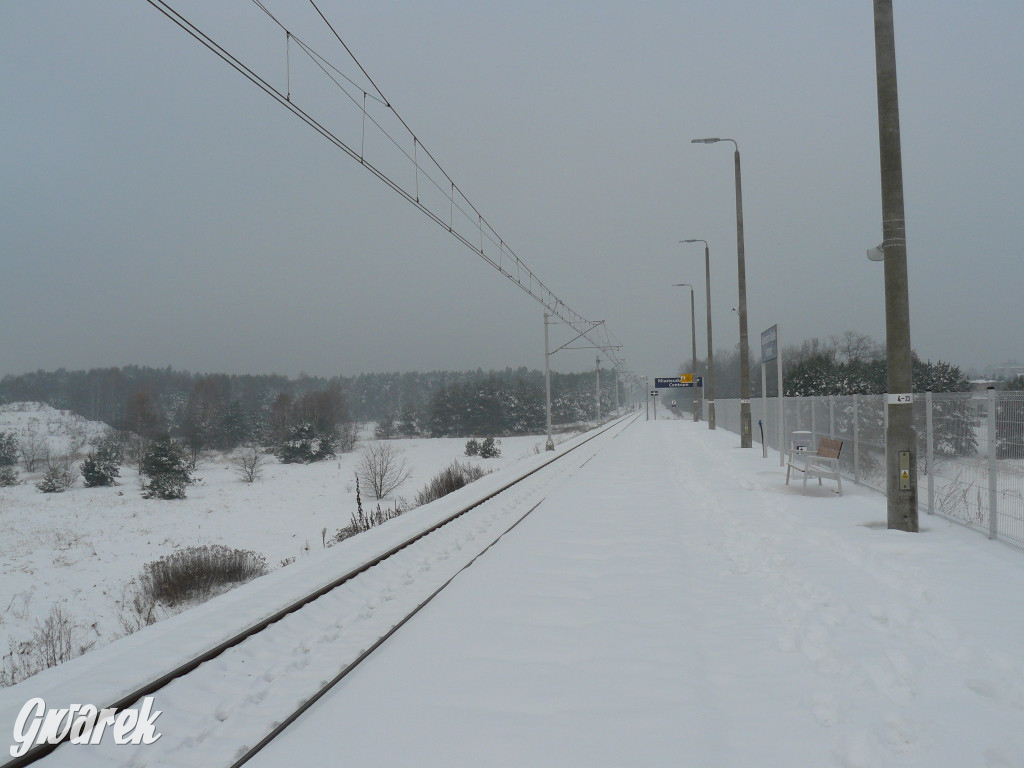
(81, 548)
(675, 603)
(672, 602)
(60, 431)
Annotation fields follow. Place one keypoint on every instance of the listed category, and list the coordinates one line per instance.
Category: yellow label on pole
(686, 378)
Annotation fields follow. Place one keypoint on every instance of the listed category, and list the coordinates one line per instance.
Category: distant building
(1008, 370)
(978, 386)
(979, 395)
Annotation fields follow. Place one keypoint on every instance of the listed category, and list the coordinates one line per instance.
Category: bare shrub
(364, 521)
(196, 573)
(449, 479)
(134, 448)
(136, 609)
(33, 451)
(248, 462)
(382, 469)
(53, 642)
(348, 436)
(77, 438)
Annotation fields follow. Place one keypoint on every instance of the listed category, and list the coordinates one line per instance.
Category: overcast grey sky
(157, 209)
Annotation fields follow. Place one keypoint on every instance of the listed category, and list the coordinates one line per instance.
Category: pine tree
(166, 466)
(8, 449)
(8, 458)
(305, 443)
(100, 468)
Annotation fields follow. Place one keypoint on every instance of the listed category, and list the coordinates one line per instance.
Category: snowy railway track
(222, 706)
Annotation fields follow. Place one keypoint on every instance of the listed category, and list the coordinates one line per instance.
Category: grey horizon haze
(158, 209)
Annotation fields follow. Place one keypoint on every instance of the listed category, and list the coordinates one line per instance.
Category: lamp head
(704, 141)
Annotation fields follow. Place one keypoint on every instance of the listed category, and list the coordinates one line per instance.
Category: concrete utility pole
(900, 435)
(616, 372)
(597, 393)
(550, 445)
(746, 433)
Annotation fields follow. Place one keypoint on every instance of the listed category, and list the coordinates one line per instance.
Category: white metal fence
(970, 449)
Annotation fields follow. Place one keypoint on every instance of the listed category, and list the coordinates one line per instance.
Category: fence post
(856, 441)
(993, 516)
(814, 432)
(832, 416)
(930, 432)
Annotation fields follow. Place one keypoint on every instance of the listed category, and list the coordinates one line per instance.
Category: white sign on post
(769, 352)
(770, 344)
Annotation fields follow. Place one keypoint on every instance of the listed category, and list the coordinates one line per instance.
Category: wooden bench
(823, 462)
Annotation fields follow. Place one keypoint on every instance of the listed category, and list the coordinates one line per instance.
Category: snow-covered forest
(222, 411)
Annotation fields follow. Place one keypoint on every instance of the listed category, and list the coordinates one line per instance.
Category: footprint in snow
(879, 614)
(827, 710)
(898, 732)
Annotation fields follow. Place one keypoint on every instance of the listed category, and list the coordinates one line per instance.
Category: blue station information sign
(686, 380)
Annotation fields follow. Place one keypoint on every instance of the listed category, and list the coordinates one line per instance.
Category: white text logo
(82, 724)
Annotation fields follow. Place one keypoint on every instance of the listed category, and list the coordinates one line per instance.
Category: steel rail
(40, 751)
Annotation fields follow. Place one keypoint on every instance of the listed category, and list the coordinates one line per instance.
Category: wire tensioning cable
(472, 229)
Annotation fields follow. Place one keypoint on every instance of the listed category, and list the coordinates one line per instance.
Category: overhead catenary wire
(488, 244)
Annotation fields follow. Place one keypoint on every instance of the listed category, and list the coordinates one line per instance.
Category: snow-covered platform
(674, 603)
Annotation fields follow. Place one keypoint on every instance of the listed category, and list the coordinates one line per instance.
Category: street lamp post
(709, 385)
(693, 357)
(746, 435)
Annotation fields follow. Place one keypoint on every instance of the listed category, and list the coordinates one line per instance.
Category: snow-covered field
(80, 549)
(669, 602)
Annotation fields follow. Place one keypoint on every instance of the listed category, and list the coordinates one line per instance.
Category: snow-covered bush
(449, 479)
(199, 572)
(59, 475)
(385, 429)
(473, 447)
(489, 448)
(100, 468)
(305, 443)
(166, 467)
(8, 449)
